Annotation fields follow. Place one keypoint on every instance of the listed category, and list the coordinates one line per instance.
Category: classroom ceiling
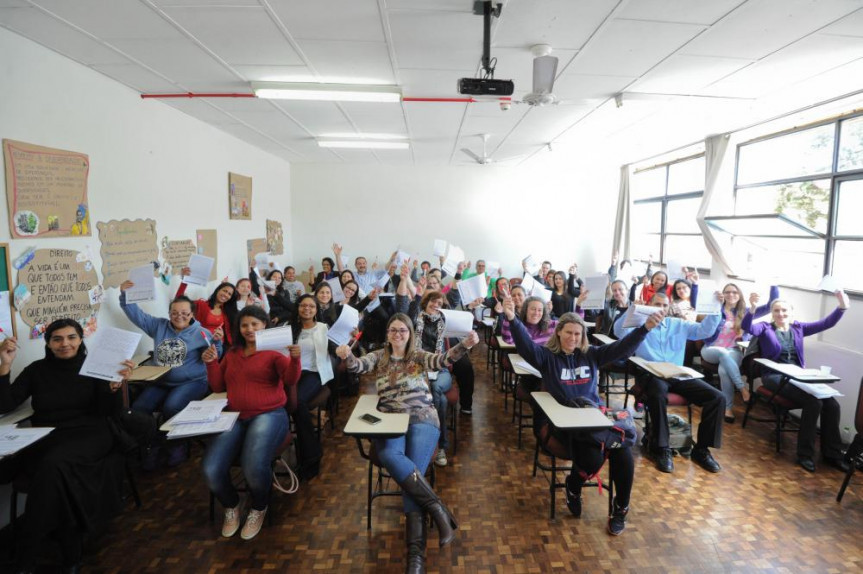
(637, 76)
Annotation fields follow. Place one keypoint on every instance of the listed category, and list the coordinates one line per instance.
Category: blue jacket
(667, 341)
(179, 350)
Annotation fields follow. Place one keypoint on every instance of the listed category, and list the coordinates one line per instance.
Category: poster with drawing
(126, 244)
(176, 253)
(254, 247)
(46, 191)
(208, 244)
(239, 196)
(275, 238)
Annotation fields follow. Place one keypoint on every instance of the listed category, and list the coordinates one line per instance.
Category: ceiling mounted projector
(485, 87)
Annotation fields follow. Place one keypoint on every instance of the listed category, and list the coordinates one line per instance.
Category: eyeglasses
(398, 331)
(730, 293)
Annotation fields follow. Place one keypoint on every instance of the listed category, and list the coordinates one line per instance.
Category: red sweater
(206, 317)
(255, 384)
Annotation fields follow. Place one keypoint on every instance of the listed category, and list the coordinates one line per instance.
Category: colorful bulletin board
(239, 196)
(7, 315)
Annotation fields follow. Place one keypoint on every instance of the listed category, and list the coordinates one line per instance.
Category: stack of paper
(13, 439)
(222, 424)
(200, 412)
(524, 365)
(457, 323)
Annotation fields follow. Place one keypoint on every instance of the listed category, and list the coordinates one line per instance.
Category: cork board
(126, 244)
(275, 238)
(46, 191)
(239, 196)
(176, 253)
(208, 244)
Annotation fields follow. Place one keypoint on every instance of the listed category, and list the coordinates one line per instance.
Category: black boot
(416, 487)
(416, 533)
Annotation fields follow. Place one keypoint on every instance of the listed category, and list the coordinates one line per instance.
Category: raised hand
(342, 351)
(470, 340)
(219, 333)
(582, 296)
(8, 350)
(210, 354)
(126, 285)
(753, 300)
(337, 249)
(294, 351)
(842, 297)
(509, 308)
(655, 319)
(185, 271)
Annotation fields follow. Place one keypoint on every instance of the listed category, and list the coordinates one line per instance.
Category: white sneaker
(232, 521)
(440, 457)
(253, 524)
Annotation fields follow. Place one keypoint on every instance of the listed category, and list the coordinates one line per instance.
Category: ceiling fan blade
(475, 157)
(544, 71)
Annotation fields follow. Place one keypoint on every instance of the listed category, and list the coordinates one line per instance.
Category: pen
(207, 339)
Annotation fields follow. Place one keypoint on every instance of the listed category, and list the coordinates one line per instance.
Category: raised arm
(12, 395)
(142, 320)
(831, 319)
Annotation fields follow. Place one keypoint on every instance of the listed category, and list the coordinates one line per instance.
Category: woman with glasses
(401, 372)
(216, 313)
(721, 347)
(178, 342)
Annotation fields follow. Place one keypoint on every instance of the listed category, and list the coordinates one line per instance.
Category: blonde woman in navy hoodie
(570, 369)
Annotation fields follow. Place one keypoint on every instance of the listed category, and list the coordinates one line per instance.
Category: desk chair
(507, 378)
(452, 400)
(854, 455)
(524, 385)
(605, 380)
(779, 406)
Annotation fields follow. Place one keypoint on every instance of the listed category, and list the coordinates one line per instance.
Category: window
(813, 177)
(666, 199)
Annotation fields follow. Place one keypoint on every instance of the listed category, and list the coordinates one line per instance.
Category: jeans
(308, 445)
(172, 399)
(439, 388)
(401, 455)
(729, 360)
(255, 440)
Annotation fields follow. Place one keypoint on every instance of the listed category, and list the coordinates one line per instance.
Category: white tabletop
(589, 325)
(503, 344)
(167, 426)
(391, 425)
(796, 373)
(488, 321)
(519, 370)
(604, 339)
(21, 413)
(564, 417)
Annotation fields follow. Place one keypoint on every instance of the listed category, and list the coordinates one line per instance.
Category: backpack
(679, 435)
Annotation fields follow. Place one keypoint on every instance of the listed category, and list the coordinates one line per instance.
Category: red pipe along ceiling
(432, 100)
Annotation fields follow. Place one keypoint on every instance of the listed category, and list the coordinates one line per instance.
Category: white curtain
(622, 231)
(714, 151)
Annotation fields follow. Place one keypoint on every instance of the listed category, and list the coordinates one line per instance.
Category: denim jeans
(439, 389)
(255, 441)
(729, 360)
(401, 455)
(172, 399)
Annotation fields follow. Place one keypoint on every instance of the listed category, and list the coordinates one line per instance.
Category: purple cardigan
(769, 344)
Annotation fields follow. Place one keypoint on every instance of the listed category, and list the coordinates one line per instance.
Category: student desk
(518, 404)
(167, 426)
(503, 348)
(21, 413)
(790, 372)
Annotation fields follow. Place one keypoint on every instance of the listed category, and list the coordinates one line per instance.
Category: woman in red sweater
(255, 382)
(217, 313)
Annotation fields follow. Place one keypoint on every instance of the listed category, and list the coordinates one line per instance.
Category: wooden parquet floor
(761, 513)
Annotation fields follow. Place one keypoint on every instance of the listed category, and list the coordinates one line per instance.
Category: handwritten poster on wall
(46, 191)
(58, 285)
(239, 196)
(208, 244)
(176, 253)
(126, 244)
(275, 238)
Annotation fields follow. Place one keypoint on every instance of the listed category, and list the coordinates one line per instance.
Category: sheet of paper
(596, 286)
(454, 256)
(200, 412)
(262, 261)
(107, 350)
(492, 268)
(223, 423)
(541, 292)
(675, 271)
(274, 339)
(457, 323)
(144, 288)
(521, 364)
(473, 288)
(199, 270)
(382, 282)
(13, 439)
(528, 283)
(707, 303)
(336, 287)
(401, 258)
(531, 265)
(636, 315)
(340, 332)
(829, 284)
(439, 248)
(817, 390)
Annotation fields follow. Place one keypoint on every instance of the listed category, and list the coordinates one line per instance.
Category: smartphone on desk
(371, 419)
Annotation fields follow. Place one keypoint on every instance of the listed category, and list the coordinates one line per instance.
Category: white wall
(147, 160)
(564, 214)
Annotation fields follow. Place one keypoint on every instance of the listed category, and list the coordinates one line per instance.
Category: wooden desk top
(568, 417)
(503, 344)
(391, 425)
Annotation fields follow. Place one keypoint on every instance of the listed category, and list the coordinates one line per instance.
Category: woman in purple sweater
(781, 341)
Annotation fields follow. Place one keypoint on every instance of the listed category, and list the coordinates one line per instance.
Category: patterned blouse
(402, 385)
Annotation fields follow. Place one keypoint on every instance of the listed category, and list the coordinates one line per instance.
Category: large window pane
(644, 247)
(680, 216)
(787, 261)
(797, 154)
(687, 249)
(847, 268)
(848, 220)
(686, 176)
(851, 144)
(806, 202)
(646, 218)
(648, 183)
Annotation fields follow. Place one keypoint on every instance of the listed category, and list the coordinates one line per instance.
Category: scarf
(438, 322)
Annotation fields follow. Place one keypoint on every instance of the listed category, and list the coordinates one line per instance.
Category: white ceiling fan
(544, 72)
(485, 158)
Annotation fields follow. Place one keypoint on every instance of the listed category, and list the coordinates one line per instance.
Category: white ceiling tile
(357, 156)
(318, 117)
(54, 34)
(581, 88)
(543, 124)
(180, 60)
(249, 136)
(562, 23)
(681, 74)
(680, 11)
(349, 62)
(345, 20)
(757, 29)
(274, 124)
(14, 3)
(109, 19)
(375, 118)
(169, 3)
(436, 40)
(432, 83)
(434, 5)
(851, 25)
(136, 77)
(630, 47)
(238, 35)
(434, 120)
(197, 108)
(434, 152)
(274, 73)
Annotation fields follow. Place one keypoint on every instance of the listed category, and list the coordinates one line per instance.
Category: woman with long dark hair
(216, 313)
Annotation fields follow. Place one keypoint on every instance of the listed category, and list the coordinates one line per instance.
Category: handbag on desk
(623, 432)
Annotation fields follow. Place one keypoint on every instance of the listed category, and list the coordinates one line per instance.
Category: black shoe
(663, 460)
(703, 458)
(729, 419)
(617, 520)
(573, 496)
(837, 463)
(807, 463)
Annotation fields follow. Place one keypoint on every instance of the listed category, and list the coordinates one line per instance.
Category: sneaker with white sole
(253, 524)
(232, 521)
(440, 457)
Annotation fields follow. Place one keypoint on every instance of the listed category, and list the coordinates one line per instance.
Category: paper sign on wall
(239, 196)
(126, 244)
(177, 253)
(208, 244)
(275, 238)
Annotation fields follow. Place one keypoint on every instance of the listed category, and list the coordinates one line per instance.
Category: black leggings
(588, 458)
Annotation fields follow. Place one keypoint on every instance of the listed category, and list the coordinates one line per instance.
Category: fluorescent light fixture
(363, 136)
(326, 92)
(363, 144)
